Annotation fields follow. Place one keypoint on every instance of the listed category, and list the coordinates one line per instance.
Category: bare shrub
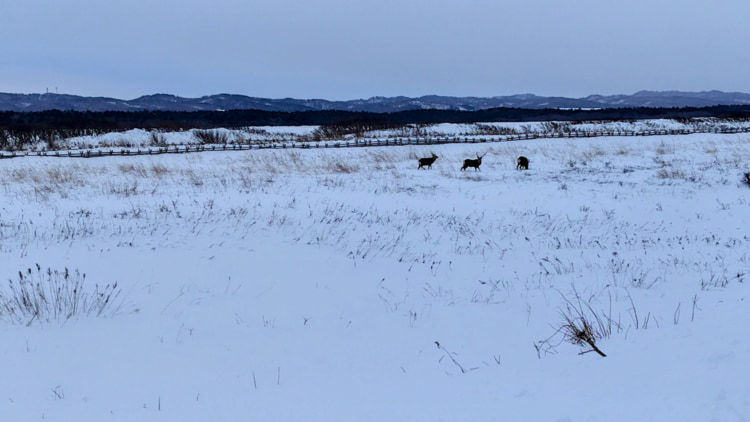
(352, 127)
(583, 329)
(5, 141)
(157, 139)
(581, 325)
(556, 127)
(120, 142)
(211, 137)
(488, 130)
(329, 132)
(46, 296)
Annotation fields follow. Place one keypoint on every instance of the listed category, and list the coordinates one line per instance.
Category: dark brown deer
(522, 163)
(471, 162)
(427, 161)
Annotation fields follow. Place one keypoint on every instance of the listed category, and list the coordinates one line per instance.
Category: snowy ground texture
(346, 284)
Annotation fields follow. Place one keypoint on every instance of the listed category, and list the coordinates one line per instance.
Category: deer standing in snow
(427, 161)
(522, 163)
(471, 162)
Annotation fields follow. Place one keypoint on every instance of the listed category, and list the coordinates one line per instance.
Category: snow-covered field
(346, 285)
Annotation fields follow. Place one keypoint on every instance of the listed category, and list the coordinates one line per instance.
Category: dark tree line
(22, 127)
(176, 120)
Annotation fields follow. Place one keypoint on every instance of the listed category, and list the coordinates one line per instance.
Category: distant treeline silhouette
(176, 120)
(18, 128)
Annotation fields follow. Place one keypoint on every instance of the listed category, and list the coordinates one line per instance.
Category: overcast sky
(349, 49)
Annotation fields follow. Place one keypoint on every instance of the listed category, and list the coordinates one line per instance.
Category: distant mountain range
(164, 102)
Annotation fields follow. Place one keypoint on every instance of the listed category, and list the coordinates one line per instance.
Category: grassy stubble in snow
(40, 295)
(639, 237)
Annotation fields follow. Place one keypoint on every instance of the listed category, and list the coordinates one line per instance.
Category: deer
(471, 162)
(427, 161)
(522, 163)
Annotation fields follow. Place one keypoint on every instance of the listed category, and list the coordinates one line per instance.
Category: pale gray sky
(348, 49)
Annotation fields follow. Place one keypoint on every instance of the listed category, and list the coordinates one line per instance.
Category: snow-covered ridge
(143, 141)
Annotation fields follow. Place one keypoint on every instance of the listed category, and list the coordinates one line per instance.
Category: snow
(345, 284)
(491, 131)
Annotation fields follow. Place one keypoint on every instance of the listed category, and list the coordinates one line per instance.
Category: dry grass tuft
(44, 296)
